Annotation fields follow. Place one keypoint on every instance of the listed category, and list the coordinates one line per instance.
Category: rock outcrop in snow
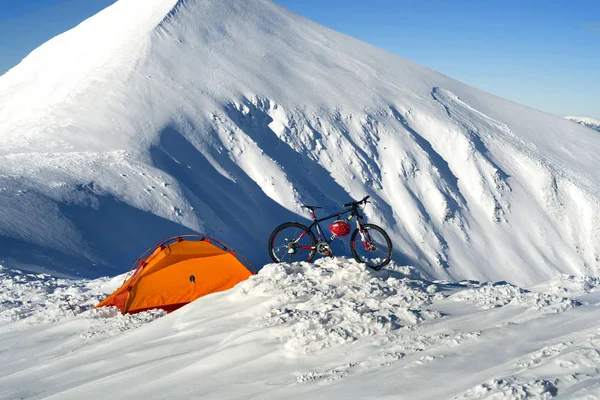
(161, 117)
(589, 122)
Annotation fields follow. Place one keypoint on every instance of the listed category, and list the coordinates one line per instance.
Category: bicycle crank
(324, 249)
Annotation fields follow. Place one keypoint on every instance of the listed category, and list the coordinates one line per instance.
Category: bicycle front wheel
(372, 246)
(292, 242)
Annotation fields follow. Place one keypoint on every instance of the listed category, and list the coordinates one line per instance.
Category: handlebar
(357, 203)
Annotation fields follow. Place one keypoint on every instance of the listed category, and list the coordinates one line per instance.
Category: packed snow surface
(156, 118)
(333, 329)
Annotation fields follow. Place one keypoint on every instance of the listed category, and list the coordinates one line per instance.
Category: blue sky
(542, 53)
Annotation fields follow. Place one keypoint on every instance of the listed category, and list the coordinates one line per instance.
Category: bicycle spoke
(291, 243)
(373, 247)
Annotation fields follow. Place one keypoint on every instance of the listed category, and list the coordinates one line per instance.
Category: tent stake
(71, 307)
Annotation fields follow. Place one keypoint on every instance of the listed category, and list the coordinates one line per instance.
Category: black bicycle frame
(353, 212)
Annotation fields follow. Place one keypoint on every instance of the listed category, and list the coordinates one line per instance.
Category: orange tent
(177, 271)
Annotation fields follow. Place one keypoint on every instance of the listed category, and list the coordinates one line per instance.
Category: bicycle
(293, 241)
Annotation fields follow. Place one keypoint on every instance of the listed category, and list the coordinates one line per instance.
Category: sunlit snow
(327, 330)
(157, 118)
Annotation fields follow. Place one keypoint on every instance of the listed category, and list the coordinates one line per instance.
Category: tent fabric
(178, 271)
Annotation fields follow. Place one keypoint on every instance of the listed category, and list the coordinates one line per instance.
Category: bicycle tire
(388, 253)
(299, 229)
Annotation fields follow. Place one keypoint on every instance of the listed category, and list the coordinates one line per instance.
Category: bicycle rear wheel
(373, 247)
(292, 242)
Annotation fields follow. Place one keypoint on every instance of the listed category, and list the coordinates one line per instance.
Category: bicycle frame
(353, 213)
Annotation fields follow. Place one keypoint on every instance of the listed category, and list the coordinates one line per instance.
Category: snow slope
(161, 117)
(589, 122)
(330, 330)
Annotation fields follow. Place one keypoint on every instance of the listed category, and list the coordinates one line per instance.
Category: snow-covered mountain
(161, 117)
(589, 122)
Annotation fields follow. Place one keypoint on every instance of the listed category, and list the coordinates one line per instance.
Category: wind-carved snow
(502, 293)
(489, 182)
(513, 388)
(563, 370)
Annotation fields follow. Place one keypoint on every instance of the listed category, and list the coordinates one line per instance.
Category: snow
(157, 118)
(333, 329)
(589, 122)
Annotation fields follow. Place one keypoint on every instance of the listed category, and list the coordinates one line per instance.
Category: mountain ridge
(587, 122)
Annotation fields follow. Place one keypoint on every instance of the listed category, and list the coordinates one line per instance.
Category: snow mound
(333, 303)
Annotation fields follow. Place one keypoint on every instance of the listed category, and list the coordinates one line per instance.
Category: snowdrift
(330, 330)
(157, 118)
